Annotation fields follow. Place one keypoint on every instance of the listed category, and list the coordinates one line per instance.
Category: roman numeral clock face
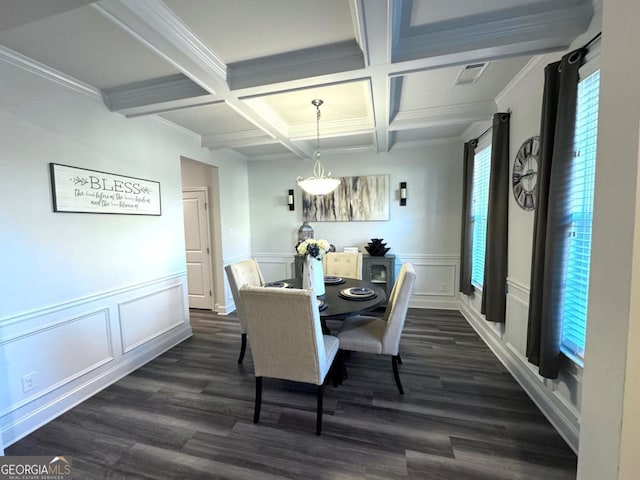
(525, 174)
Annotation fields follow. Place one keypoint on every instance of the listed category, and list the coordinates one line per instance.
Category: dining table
(334, 306)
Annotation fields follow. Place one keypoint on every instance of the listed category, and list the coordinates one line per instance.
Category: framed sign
(80, 190)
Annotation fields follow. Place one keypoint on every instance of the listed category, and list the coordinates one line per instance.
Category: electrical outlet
(29, 382)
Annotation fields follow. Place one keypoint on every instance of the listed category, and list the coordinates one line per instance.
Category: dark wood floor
(188, 415)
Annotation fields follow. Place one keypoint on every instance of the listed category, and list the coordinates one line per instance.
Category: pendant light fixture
(319, 184)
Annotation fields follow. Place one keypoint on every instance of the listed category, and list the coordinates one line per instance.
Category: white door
(197, 240)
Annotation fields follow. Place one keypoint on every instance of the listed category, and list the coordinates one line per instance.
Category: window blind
(574, 318)
(479, 205)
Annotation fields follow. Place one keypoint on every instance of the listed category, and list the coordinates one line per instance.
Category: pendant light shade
(319, 183)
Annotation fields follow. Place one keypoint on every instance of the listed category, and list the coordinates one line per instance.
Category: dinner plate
(322, 304)
(331, 280)
(357, 293)
(277, 285)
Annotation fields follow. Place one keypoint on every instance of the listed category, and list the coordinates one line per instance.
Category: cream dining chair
(283, 326)
(343, 264)
(246, 272)
(363, 333)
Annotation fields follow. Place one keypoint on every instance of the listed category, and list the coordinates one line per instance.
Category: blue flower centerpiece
(312, 272)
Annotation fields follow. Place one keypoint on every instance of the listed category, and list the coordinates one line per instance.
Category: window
(479, 205)
(574, 317)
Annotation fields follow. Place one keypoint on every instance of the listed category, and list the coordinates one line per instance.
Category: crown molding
(428, 142)
(28, 64)
(248, 138)
(475, 129)
(531, 68)
(175, 126)
(452, 114)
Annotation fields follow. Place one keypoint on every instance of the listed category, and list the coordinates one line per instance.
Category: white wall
(426, 232)
(85, 298)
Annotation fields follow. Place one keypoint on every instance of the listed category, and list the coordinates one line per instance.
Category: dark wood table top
(339, 307)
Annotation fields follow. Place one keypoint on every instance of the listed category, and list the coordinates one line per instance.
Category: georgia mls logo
(35, 468)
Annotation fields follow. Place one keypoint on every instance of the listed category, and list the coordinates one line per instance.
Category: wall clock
(524, 179)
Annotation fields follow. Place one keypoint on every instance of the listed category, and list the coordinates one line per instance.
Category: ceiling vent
(470, 73)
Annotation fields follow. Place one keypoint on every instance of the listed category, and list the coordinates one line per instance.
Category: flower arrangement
(314, 248)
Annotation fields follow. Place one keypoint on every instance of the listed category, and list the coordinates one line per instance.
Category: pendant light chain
(319, 184)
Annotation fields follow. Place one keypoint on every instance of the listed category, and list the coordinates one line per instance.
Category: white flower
(315, 248)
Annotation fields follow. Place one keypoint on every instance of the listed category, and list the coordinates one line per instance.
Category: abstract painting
(362, 198)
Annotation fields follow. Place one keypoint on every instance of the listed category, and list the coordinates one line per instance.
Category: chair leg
(399, 359)
(394, 363)
(256, 408)
(319, 391)
(243, 347)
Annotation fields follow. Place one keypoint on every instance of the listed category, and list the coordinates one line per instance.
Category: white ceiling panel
(246, 29)
(88, 46)
(209, 120)
(433, 88)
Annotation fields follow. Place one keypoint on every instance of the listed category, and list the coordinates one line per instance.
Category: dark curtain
(551, 220)
(494, 298)
(466, 242)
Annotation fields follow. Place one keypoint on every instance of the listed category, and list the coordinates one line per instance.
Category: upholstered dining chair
(343, 264)
(283, 326)
(246, 272)
(382, 335)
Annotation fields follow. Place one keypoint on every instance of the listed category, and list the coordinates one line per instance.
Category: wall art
(80, 190)
(362, 198)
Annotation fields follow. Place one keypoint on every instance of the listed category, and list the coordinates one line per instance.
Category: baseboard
(33, 419)
(551, 407)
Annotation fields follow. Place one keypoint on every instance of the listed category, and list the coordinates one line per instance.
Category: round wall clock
(525, 173)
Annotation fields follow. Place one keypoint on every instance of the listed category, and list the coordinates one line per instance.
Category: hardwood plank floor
(189, 415)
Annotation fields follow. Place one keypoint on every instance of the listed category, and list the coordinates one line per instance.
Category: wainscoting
(436, 277)
(56, 357)
(559, 399)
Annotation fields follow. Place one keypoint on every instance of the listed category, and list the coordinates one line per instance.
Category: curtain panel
(466, 241)
(494, 289)
(551, 221)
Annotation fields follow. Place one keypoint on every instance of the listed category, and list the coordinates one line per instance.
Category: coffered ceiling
(241, 74)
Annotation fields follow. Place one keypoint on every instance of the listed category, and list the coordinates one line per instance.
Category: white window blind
(574, 319)
(480, 201)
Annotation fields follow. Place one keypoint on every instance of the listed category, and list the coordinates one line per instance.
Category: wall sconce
(403, 194)
(290, 201)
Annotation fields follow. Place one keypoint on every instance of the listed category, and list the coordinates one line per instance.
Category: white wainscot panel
(53, 356)
(435, 280)
(276, 266)
(145, 318)
(518, 315)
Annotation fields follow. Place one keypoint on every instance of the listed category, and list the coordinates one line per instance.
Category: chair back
(285, 336)
(343, 264)
(396, 311)
(242, 273)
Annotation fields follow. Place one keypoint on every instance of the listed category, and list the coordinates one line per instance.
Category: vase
(313, 275)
